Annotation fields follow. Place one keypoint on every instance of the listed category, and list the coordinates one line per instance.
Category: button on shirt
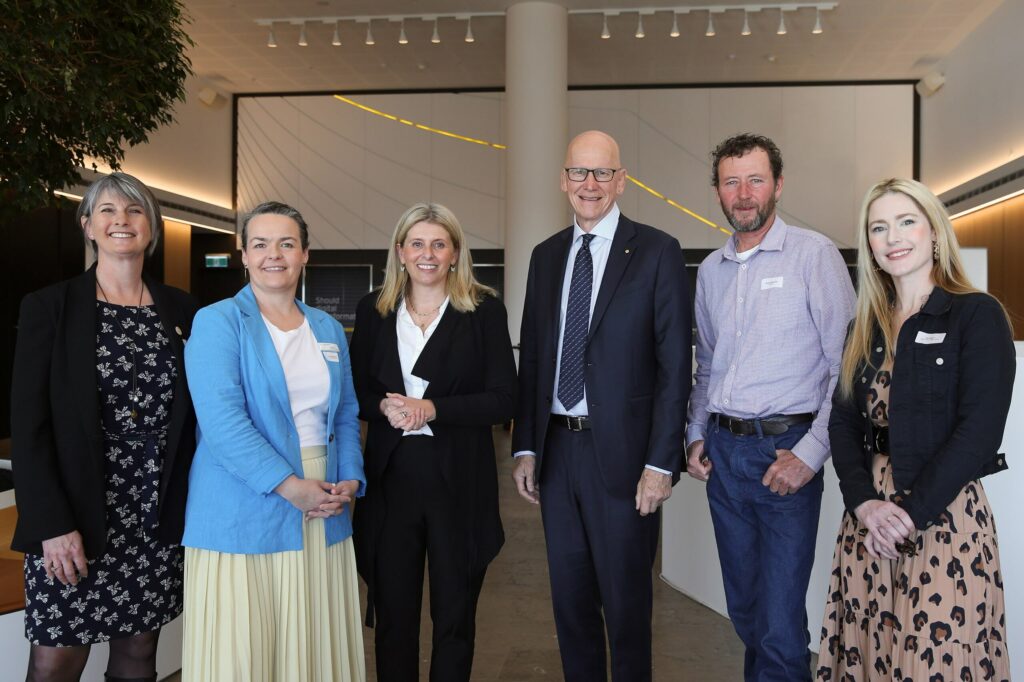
(411, 341)
(770, 332)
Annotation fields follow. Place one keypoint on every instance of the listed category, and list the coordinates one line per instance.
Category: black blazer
(637, 360)
(947, 406)
(469, 364)
(56, 438)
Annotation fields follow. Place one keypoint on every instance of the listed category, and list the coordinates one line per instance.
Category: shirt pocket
(781, 311)
(934, 370)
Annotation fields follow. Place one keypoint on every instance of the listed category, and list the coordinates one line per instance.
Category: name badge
(325, 347)
(930, 338)
(771, 283)
(331, 356)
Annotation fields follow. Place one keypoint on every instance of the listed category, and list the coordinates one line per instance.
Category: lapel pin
(627, 250)
(178, 329)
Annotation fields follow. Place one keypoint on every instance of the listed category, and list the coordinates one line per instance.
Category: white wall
(190, 157)
(352, 173)
(974, 123)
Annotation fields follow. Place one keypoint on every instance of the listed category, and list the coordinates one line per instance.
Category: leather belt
(881, 434)
(572, 423)
(770, 426)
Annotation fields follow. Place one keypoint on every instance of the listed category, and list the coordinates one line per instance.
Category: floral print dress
(135, 586)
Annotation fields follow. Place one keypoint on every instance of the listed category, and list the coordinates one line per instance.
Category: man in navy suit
(604, 377)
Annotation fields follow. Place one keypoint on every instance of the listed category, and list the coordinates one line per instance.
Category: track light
(817, 23)
(436, 38)
(746, 24)
(271, 40)
(402, 40)
(302, 36)
(336, 39)
(710, 32)
(605, 33)
(469, 31)
(369, 34)
(640, 26)
(674, 33)
(782, 23)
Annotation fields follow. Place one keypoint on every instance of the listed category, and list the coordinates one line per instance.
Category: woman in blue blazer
(270, 582)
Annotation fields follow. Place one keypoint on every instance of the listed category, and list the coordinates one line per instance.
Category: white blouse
(309, 384)
(411, 340)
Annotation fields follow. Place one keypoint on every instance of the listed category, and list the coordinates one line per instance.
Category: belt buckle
(574, 423)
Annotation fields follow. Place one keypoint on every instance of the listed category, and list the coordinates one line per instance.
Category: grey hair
(276, 208)
(130, 189)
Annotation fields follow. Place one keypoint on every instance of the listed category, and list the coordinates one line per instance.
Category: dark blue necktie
(577, 324)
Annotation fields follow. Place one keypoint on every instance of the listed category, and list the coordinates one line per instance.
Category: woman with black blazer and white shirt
(433, 368)
(102, 436)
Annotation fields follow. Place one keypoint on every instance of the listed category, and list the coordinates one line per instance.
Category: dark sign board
(336, 289)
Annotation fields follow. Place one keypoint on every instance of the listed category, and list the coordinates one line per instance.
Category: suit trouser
(600, 556)
(766, 548)
(420, 523)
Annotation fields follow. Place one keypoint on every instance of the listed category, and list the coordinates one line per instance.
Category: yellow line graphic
(495, 145)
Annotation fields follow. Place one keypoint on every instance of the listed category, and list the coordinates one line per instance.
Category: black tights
(132, 659)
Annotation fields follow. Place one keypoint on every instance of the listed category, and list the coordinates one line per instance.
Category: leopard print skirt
(936, 616)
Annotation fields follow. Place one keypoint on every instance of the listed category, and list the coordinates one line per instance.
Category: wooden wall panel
(177, 254)
(1000, 229)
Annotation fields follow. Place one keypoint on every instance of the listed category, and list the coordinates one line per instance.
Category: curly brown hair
(738, 145)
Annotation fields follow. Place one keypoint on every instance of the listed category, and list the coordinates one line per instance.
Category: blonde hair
(876, 293)
(464, 292)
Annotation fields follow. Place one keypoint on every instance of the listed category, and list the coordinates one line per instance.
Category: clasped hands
(887, 525)
(786, 475)
(405, 413)
(317, 499)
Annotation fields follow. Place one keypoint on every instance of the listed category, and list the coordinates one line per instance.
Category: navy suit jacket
(637, 359)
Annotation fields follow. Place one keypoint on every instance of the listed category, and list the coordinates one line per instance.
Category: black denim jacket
(952, 379)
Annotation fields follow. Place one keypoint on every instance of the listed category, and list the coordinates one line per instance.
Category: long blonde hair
(464, 292)
(876, 293)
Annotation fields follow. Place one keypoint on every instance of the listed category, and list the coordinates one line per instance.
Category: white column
(537, 120)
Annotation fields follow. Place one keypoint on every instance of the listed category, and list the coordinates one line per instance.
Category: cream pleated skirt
(275, 617)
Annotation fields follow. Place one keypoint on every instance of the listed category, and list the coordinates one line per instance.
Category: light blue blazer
(247, 441)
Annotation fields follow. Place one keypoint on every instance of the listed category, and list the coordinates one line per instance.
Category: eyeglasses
(600, 174)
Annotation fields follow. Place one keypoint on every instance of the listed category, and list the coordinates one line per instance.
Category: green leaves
(81, 78)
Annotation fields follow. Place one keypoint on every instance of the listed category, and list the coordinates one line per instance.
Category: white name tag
(331, 356)
(328, 347)
(771, 283)
(930, 338)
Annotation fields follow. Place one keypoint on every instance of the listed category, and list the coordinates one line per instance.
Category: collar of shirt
(773, 240)
(605, 228)
(405, 318)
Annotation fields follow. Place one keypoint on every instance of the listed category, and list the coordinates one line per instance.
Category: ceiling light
(271, 40)
(817, 23)
(436, 38)
(469, 31)
(369, 34)
(605, 33)
(302, 36)
(710, 32)
(782, 23)
(402, 40)
(746, 24)
(640, 26)
(336, 39)
(674, 33)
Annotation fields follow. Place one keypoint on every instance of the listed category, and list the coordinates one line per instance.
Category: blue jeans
(766, 548)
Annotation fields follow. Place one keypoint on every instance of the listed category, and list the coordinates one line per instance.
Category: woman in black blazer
(102, 434)
(917, 418)
(433, 369)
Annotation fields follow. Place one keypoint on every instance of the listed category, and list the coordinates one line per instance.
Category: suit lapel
(179, 408)
(622, 250)
(429, 365)
(80, 328)
(390, 371)
(264, 345)
(322, 333)
(556, 272)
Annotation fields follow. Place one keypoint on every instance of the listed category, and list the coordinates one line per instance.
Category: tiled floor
(516, 632)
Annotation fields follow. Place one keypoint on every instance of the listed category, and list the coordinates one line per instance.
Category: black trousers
(600, 556)
(420, 523)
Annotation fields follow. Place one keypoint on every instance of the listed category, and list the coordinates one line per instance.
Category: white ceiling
(863, 40)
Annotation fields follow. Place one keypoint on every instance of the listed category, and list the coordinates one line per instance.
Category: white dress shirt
(411, 340)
